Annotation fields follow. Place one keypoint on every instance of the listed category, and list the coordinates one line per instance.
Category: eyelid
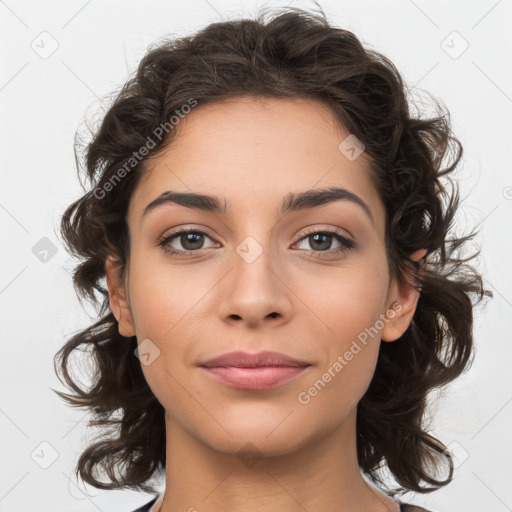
(174, 234)
(185, 229)
(330, 230)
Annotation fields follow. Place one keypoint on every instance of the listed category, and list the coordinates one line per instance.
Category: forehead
(254, 152)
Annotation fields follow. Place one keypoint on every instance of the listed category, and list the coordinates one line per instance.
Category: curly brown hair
(293, 54)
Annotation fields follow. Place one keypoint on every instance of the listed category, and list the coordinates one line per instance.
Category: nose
(255, 292)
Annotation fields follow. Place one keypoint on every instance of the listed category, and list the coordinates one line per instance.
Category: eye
(320, 241)
(190, 239)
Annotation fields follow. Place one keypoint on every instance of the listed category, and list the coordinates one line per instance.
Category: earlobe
(400, 316)
(117, 297)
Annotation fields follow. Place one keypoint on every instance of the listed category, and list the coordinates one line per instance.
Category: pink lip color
(255, 378)
(262, 370)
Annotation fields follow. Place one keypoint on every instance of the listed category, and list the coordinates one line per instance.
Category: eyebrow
(292, 202)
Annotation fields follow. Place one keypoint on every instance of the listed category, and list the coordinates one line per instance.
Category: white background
(44, 100)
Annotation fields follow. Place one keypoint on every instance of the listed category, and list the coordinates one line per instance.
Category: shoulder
(404, 507)
(146, 507)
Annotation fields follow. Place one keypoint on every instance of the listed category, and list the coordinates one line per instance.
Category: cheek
(164, 298)
(347, 337)
(342, 378)
(346, 302)
(169, 308)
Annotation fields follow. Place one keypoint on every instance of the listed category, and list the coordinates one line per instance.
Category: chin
(261, 435)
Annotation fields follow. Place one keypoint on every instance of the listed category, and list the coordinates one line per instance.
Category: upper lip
(248, 360)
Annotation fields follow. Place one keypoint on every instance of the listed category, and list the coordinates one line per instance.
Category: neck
(322, 474)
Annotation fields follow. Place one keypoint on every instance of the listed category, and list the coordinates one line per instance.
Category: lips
(241, 359)
(245, 371)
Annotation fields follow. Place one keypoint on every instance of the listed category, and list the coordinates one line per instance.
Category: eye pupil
(189, 237)
(325, 244)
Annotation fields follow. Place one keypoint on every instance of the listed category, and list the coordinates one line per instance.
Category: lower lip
(262, 377)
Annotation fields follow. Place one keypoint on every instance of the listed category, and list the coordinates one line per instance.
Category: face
(309, 282)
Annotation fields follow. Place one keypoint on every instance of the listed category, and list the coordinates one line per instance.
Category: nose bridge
(254, 290)
(255, 264)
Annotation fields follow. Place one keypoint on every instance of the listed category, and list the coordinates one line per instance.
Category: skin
(254, 152)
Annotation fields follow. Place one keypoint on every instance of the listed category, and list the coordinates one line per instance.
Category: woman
(280, 298)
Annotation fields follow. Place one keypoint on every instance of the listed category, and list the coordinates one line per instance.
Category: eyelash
(346, 243)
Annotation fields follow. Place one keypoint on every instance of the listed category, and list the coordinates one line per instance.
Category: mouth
(263, 370)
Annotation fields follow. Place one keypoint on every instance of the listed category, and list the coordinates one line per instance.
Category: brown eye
(321, 242)
(191, 240)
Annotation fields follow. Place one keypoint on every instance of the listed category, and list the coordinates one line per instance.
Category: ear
(406, 297)
(117, 297)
